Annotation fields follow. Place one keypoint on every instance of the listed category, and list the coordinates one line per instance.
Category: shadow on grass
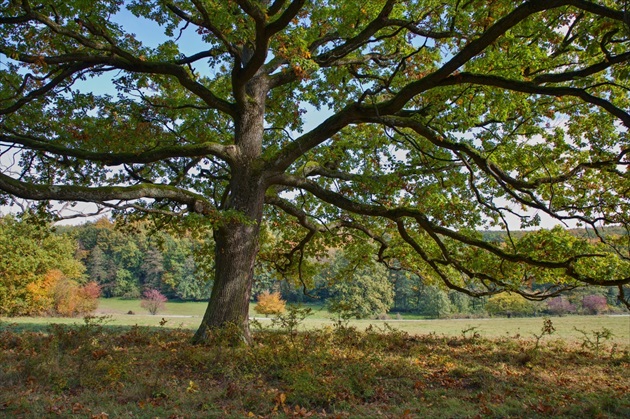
(45, 328)
(145, 371)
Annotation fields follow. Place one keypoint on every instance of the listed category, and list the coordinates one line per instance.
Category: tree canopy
(412, 124)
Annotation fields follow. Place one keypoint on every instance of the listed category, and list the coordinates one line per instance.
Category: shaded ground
(101, 371)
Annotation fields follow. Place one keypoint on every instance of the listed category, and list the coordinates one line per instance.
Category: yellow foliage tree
(508, 304)
(269, 303)
(32, 260)
(54, 293)
(40, 292)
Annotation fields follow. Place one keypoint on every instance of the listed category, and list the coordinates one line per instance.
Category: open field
(188, 315)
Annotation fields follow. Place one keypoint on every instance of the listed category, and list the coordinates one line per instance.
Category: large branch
(285, 18)
(225, 153)
(584, 72)
(600, 10)
(357, 112)
(263, 34)
(249, 63)
(404, 234)
(486, 165)
(303, 219)
(476, 46)
(195, 202)
(327, 58)
(135, 65)
(205, 22)
(107, 52)
(468, 52)
(533, 88)
(520, 190)
(334, 56)
(281, 160)
(397, 213)
(66, 73)
(491, 282)
(315, 169)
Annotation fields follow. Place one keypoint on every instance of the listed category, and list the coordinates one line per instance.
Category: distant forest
(127, 259)
(589, 233)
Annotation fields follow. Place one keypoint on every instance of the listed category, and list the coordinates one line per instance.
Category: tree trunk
(235, 255)
(236, 248)
(237, 240)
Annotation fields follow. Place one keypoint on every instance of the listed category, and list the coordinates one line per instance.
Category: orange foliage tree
(69, 298)
(269, 303)
(33, 261)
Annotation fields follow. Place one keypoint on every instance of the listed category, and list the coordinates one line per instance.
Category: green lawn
(187, 315)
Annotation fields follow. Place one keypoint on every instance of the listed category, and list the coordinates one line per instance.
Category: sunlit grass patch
(187, 315)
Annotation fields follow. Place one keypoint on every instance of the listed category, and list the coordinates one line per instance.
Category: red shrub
(560, 306)
(594, 304)
(153, 300)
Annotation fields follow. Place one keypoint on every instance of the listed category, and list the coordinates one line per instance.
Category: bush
(560, 306)
(269, 303)
(153, 301)
(509, 305)
(594, 304)
(71, 299)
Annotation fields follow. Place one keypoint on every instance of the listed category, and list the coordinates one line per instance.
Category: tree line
(56, 270)
(127, 260)
(100, 257)
(371, 290)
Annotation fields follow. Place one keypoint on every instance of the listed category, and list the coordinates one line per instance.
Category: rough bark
(235, 255)
(237, 241)
(236, 248)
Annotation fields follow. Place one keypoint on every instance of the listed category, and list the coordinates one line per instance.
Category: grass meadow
(187, 315)
(139, 366)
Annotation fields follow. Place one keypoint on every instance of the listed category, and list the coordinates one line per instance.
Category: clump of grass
(596, 340)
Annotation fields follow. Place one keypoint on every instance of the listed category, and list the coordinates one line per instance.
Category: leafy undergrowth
(97, 371)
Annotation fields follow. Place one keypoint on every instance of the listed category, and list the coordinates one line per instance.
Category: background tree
(125, 260)
(560, 306)
(434, 302)
(358, 288)
(33, 262)
(269, 303)
(153, 301)
(72, 299)
(97, 266)
(434, 120)
(460, 303)
(509, 305)
(594, 304)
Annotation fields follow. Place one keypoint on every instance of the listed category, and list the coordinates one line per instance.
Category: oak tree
(414, 124)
